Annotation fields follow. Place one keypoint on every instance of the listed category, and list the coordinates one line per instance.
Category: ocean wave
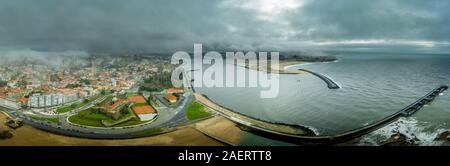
(410, 127)
(314, 130)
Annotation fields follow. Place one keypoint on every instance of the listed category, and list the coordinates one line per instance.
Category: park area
(78, 104)
(95, 119)
(113, 112)
(196, 111)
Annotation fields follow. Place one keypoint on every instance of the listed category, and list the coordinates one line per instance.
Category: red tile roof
(174, 90)
(23, 100)
(137, 99)
(116, 104)
(171, 97)
(146, 109)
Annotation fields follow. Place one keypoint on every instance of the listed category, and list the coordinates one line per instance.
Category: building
(137, 99)
(113, 82)
(34, 84)
(171, 98)
(38, 101)
(174, 90)
(23, 100)
(9, 104)
(113, 109)
(145, 112)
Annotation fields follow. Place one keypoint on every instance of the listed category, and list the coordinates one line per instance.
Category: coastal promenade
(253, 122)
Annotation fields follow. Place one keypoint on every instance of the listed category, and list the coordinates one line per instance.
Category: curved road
(167, 118)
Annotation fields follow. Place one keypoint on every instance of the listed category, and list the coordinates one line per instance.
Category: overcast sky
(169, 25)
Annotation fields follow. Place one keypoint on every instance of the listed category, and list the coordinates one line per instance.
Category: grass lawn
(89, 114)
(196, 111)
(63, 109)
(129, 114)
(76, 105)
(89, 118)
(51, 120)
(86, 122)
(132, 94)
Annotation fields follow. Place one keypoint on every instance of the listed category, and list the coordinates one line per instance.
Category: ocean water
(373, 86)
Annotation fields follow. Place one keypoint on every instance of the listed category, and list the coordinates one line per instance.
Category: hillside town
(95, 96)
(41, 85)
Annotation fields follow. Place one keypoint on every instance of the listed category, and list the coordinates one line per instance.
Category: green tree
(157, 82)
(73, 85)
(21, 83)
(3, 83)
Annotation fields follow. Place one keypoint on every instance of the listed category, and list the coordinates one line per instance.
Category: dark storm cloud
(381, 19)
(163, 25)
(103, 24)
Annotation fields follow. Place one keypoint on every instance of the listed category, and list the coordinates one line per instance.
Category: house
(23, 101)
(171, 98)
(145, 112)
(174, 90)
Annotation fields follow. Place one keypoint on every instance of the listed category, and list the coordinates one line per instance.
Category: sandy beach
(283, 65)
(30, 136)
(281, 68)
(221, 129)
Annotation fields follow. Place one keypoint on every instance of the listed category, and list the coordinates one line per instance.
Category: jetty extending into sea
(302, 135)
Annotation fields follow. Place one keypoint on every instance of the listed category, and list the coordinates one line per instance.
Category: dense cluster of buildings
(37, 86)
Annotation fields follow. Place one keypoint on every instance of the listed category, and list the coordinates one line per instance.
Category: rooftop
(137, 99)
(23, 100)
(170, 97)
(116, 104)
(146, 109)
(174, 90)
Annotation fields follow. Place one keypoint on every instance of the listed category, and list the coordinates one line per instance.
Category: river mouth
(373, 87)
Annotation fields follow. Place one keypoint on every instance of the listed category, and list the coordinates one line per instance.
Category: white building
(113, 82)
(49, 100)
(34, 84)
(146, 117)
(9, 104)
